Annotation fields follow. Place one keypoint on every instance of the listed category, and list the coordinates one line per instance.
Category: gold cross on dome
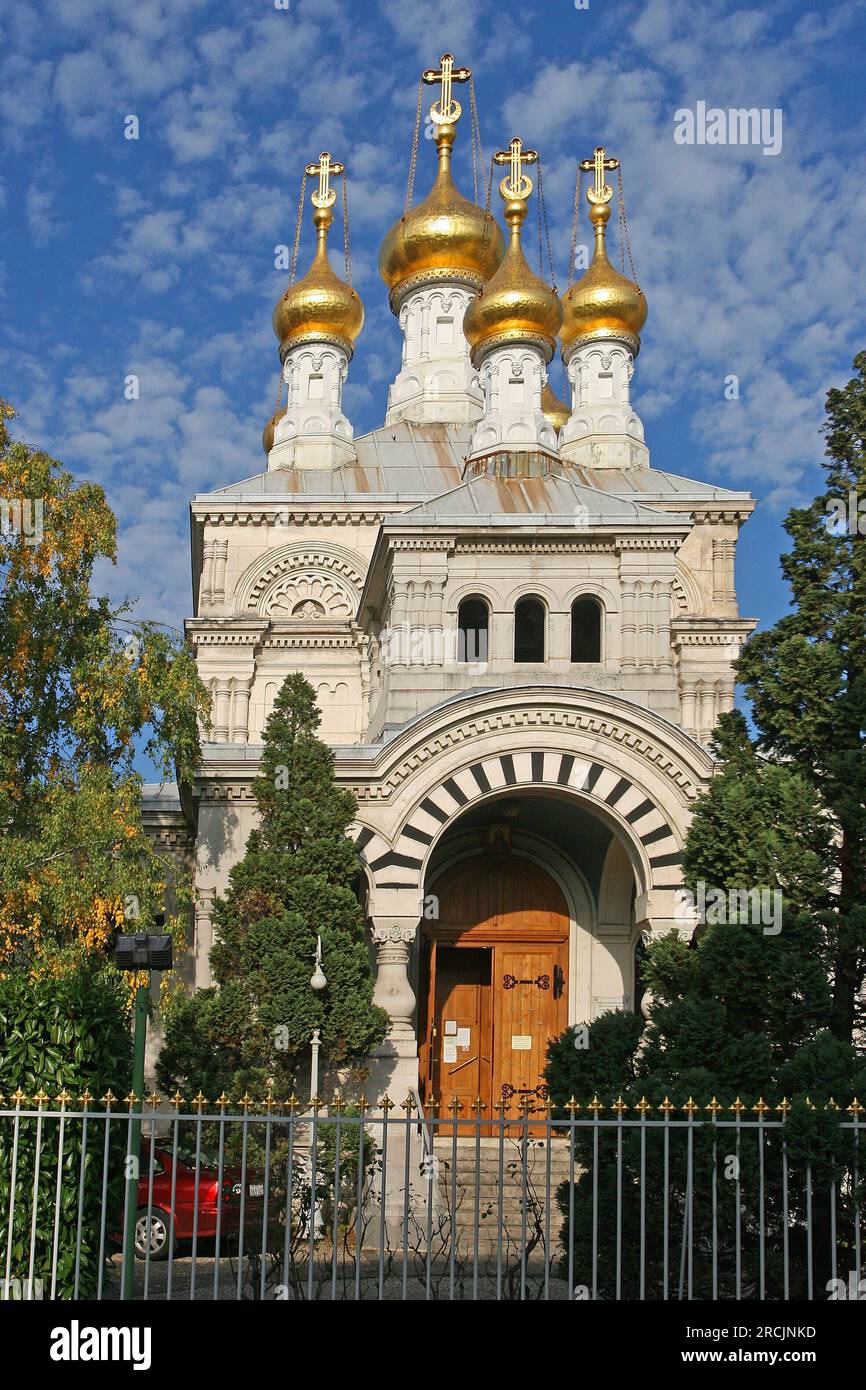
(446, 110)
(600, 192)
(326, 197)
(516, 184)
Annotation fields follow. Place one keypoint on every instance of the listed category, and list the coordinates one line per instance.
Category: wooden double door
(496, 987)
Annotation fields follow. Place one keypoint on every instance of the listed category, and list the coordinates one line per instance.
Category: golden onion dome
(445, 237)
(603, 303)
(270, 427)
(319, 308)
(515, 305)
(556, 410)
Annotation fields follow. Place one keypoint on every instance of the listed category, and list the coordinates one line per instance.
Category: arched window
(473, 625)
(585, 630)
(529, 630)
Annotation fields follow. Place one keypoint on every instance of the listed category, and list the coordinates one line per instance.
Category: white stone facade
(436, 382)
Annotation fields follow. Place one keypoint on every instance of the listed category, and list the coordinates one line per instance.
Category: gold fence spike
(595, 1106)
(643, 1106)
(784, 1106)
(246, 1102)
(548, 1106)
(714, 1107)
(691, 1107)
(811, 1104)
(337, 1105)
(316, 1102)
(525, 1104)
(503, 1104)
(63, 1098)
(177, 1099)
(619, 1106)
(154, 1099)
(433, 1103)
(109, 1098)
(738, 1107)
(269, 1103)
(408, 1105)
(667, 1106)
(131, 1100)
(855, 1108)
(292, 1103)
(832, 1105)
(221, 1101)
(199, 1101)
(572, 1106)
(362, 1102)
(386, 1103)
(40, 1098)
(760, 1107)
(18, 1097)
(85, 1098)
(455, 1105)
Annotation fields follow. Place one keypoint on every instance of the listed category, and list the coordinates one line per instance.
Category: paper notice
(449, 1050)
(463, 1037)
(450, 1027)
(521, 1042)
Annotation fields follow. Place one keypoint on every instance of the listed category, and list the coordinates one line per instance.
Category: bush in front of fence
(61, 1033)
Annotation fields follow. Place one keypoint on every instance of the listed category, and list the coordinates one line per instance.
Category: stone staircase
(500, 1185)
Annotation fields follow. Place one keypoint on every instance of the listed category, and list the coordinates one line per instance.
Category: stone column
(203, 936)
(221, 550)
(206, 591)
(393, 937)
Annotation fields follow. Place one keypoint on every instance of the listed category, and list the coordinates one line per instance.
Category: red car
(158, 1207)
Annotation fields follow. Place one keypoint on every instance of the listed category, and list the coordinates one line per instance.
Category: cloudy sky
(156, 256)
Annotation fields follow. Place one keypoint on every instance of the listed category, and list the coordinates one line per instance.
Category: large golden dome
(603, 303)
(320, 308)
(515, 305)
(557, 412)
(444, 237)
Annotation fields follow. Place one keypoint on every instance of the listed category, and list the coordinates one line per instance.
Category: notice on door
(449, 1050)
(464, 1036)
(521, 1042)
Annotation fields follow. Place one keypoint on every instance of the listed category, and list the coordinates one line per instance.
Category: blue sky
(156, 256)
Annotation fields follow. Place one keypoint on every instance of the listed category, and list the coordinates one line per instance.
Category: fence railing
(341, 1201)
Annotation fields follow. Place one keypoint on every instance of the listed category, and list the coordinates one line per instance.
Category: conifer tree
(295, 882)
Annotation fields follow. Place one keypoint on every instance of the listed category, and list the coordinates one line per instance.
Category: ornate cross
(516, 184)
(326, 197)
(446, 109)
(601, 192)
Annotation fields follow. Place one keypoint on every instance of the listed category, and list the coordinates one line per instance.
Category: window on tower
(529, 630)
(473, 630)
(585, 630)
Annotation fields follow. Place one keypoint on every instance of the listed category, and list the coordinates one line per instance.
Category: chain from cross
(516, 184)
(326, 197)
(446, 110)
(601, 192)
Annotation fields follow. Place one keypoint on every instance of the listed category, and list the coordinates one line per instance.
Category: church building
(521, 629)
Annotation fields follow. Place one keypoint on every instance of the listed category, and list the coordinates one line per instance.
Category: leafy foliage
(62, 1030)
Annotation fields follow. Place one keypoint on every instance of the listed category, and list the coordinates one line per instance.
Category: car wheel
(158, 1223)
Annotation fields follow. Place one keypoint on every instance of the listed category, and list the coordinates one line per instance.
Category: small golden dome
(603, 303)
(556, 410)
(270, 427)
(319, 308)
(515, 305)
(444, 236)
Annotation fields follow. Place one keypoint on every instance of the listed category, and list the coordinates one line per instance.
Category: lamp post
(318, 981)
(137, 953)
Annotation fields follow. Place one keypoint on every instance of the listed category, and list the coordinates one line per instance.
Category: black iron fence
(357, 1201)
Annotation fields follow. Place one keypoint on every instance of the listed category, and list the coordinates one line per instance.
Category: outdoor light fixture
(143, 952)
(318, 979)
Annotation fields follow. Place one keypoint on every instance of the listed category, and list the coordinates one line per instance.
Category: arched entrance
(494, 986)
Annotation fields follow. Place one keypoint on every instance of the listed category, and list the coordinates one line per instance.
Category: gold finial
(40, 1098)
(177, 1099)
(643, 1106)
(221, 1101)
(502, 1105)
(760, 1107)
(408, 1105)
(338, 1104)
(292, 1103)
(572, 1106)
(199, 1101)
(18, 1097)
(386, 1103)
(601, 192)
(516, 185)
(667, 1106)
(154, 1099)
(855, 1108)
(738, 1107)
(109, 1098)
(478, 1106)
(784, 1106)
(525, 1104)
(455, 1105)
(269, 1103)
(832, 1104)
(132, 1099)
(714, 1107)
(433, 1103)
(316, 1102)
(810, 1103)
(361, 1102)
(691, 1107)
(595, 1106)
(85, 1098)
(325, 168)
(63, 1098)
(447, 110)
(619, 1106)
